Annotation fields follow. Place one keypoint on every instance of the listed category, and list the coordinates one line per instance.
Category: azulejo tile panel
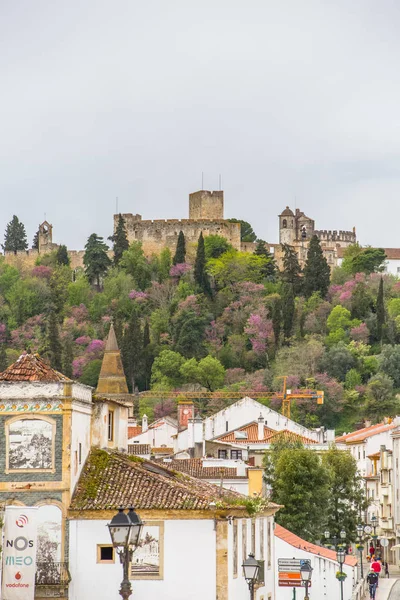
(30, 406)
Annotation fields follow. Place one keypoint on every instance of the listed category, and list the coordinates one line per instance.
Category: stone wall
(25, 260)
(206, 205)
(339, 238)
(159, 234)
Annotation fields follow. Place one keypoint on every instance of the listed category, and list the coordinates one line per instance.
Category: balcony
(52, 575)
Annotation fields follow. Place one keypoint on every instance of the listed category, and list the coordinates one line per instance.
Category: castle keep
(206, 215)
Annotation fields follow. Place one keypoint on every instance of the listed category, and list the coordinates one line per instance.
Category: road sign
(290, 579)
(384, 542)
(367, 529)
(292, 565)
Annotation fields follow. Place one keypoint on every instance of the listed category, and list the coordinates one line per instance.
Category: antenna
(45, 216)
(202, 180)
(116, 205)
(219, 182)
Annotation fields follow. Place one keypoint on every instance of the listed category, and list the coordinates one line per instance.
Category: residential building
(158, 434)
(196, 535)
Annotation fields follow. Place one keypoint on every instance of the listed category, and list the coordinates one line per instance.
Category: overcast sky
(292, 101)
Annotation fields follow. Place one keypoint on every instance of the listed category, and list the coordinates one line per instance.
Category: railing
(52, 573)
(359, 590)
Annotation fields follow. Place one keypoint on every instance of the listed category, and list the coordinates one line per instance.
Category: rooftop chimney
(260, 435)
(145, 425)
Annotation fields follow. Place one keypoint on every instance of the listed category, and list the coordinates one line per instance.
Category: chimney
(197, 429)
(260, 435)
(144, 424)
(185, 412)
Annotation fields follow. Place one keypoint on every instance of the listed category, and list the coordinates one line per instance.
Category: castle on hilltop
(206, 216)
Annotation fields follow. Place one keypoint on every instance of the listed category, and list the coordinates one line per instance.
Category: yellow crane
(286, 396)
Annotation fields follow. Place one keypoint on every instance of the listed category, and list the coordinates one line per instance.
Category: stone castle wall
(206, 205)
(159, 234)
(26, 260)
(342, 238)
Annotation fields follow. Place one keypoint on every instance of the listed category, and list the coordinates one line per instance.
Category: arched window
(284, 224)
(303, 232)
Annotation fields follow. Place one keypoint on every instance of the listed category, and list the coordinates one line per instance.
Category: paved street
(389, 589)
(394, 592)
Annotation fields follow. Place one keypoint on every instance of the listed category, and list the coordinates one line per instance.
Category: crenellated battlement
(329, 235)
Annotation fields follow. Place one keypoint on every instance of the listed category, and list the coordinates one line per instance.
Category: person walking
(386, 570)
(376, 567)
(372, 580)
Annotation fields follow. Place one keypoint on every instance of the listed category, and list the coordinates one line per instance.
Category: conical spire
(112, 378)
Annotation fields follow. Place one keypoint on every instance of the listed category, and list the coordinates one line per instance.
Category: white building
(158, 434)
(196, 535)
(324, 585)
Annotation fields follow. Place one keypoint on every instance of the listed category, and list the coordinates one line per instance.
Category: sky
(292, 103)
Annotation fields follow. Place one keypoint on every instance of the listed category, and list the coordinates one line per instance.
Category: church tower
(287, 227)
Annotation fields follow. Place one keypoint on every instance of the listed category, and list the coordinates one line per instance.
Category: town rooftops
(111, 479)
(195, 468)
(289, 436)
(362, 434)
(30, 367)
(139, 449)
(297, 542)
(248, 434)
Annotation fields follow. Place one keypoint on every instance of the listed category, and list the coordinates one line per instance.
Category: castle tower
(112, 378)
(45, 236)
(287, 227)
(206, 205)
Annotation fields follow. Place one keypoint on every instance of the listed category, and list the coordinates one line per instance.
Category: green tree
(246, 231)
(291, 273)
(35, 241)
(363, 260)
(274, 303)
(15, 236)
(301, 484)
(215, 245)
(346, 499)
(119, 240)
(361, 302)
(380, 400)
(288, 309)
(165, 373)
(132, 353)
(316, 271)
(200, 273)
(339, 318)
(79, 291)
(148, 356)
(380, 312)
(53, 341)
(96, 259)
(337, 361)
(180, 253)
(270, 269)
(67, 357)
(165, 264)
(188, 333)
(62, 257)
(3, 357)
(389, 363)
(208, 372)
(91, 372)
(235, 267)
(135, 264)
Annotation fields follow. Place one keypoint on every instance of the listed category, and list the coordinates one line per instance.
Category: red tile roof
(111, 479)
(162, 450)
(362, 434)
(134, 430)
(289, 436)
(195, 468)
(297, 542)
(30, 367)
(252, 434)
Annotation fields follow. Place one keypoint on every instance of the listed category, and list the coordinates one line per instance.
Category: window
(226, 426)
(80, 453)
(359, 454)
(253, 536)
(110, 425)
(236, 454)
(235, 548)
(398, 269)
(105, 554)
(261, 539)
(269, 534)
(222, 453)
(284, 224)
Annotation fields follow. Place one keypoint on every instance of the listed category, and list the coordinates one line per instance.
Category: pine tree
(288, 309)
(275, 311)
(291, 273)
(53, 341)
(35, 241)
(132, 353)
(316, 274)
(200, 273)
(380, 312)
(96, 259)
(67, 357)
(148, 357)
(180, 253)
(15, 236)
(270, 269)
(3, 357)
(62, 257)
(120, 240)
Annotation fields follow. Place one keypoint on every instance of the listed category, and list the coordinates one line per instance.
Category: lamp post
(341, 557)
(360, 533)
(306, 572)
(335, 538)
(250, 571)
(374, 524)
(125, 531)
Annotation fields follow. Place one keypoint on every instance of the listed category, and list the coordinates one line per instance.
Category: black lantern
(251, 568)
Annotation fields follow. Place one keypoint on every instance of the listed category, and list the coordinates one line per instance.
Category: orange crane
(286, 396)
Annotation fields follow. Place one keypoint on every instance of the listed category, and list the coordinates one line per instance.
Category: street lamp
(341, 557)
(360, 534)
(250, 571)
(125, 531)
(306, 572)
(374, 523)
(335, 538)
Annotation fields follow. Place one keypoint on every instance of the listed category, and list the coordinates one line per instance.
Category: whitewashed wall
(80, 434)
(324, 585)
(189, 563)
(157, 437)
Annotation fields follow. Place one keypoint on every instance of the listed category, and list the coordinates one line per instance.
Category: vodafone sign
(19, 553)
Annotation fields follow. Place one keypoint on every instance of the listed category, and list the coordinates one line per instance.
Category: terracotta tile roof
(195, 468)
(296, 541)
(111, 479)
(251, 429)
(366, 432)
(30, 367)
(134, 430)
(162, 450)
(375, 455)
(139, 449)
(289, 436)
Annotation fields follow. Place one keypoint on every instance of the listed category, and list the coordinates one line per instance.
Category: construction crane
(286, 396)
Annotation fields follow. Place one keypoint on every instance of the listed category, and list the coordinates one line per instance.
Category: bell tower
(287, 227)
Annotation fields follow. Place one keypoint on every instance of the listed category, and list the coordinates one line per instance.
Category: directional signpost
(289, 572)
